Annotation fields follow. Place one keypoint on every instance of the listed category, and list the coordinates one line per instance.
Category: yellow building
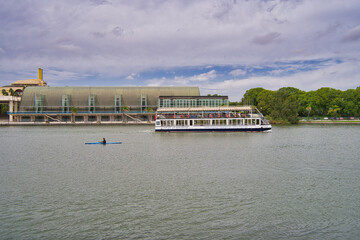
(18, 86)
(31, 82)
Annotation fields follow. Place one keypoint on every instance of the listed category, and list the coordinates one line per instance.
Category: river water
(296, 182)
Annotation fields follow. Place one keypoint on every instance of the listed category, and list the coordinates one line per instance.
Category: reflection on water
(297, 182)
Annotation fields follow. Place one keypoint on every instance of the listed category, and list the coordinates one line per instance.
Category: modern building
(94, 104)
(41, 104)
(105, 105)
(192, 101)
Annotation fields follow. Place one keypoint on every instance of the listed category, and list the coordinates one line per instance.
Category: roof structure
(29, 82)
(199, 109)
(103, 96)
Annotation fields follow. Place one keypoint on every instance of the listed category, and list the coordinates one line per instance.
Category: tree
(250, 96)
(149, 109)
(4, 92)
(333, 111)
(74, 110)
(125, 109)
(285, 107)
(4, 108)
(351, 102)
(280, 104)
(308, 109)
(234, 103)
(326, 98)
(266, 99)
(11, 91)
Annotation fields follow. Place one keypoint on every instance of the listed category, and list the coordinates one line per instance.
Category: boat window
(180, 122)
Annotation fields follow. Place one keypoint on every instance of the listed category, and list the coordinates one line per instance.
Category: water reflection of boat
(239, 118)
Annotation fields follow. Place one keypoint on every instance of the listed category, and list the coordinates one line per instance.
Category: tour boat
(223, 118)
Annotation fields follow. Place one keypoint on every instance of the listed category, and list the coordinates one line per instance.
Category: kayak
(103, 143)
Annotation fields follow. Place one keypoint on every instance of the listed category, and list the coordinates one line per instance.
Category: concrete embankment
(3, 123)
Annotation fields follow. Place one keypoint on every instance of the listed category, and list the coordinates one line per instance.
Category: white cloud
(158, 82)
(56, 76)
(69, 47)
(237, 72)
(202, 77)
(340, 76)
(132, 76)
(183, 81)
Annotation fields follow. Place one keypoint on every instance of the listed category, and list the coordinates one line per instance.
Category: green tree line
(288, 104)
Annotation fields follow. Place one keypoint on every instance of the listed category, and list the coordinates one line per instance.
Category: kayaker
(103, 141)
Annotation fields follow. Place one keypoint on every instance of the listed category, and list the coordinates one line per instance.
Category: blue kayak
(103, 143)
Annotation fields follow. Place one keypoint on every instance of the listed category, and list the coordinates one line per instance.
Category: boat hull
(210, 129)
(103, 143)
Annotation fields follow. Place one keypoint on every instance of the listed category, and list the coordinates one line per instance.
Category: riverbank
(330, 122)
(7, 123)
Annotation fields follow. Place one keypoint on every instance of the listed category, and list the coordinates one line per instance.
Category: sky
(222, 46)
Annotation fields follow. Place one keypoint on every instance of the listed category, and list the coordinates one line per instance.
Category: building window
(65, 103)
(143, 102)
(117, 103)
(92, 103)
(39, 103)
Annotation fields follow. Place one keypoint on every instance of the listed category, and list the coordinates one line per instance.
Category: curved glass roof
(104, 96)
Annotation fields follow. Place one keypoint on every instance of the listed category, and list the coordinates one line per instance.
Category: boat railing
(264, 121)
(207, 115)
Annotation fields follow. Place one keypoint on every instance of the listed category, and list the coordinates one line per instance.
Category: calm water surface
(297, 182)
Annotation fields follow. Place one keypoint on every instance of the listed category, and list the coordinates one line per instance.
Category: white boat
(224, 118)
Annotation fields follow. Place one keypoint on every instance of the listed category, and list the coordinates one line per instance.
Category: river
(296, 182)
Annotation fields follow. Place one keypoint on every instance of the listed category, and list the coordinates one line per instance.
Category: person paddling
(103, 141)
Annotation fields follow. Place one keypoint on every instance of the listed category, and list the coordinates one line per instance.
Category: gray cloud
(266, 39)
(223, 8)
(329, 30)
(352, 35)
(118, 31)
(118, 38)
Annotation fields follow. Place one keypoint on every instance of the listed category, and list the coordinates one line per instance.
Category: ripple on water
(298, 182)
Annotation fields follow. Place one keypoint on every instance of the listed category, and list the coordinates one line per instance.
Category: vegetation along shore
(292, 105)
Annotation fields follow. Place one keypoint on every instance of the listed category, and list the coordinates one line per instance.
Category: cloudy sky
(222, 46)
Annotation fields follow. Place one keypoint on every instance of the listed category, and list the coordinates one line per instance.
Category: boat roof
(199, 109)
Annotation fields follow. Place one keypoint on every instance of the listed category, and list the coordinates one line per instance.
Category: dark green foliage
(285, 107)
(4, 108)
(11, 91)
(250, 97)
(4, 92)
(288, 103)
(74, 110)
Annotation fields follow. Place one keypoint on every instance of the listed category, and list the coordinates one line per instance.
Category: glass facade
(92, 103)
(65, 103)
(117, 100)
(39, 102)
(143, 102)
(188, 102)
